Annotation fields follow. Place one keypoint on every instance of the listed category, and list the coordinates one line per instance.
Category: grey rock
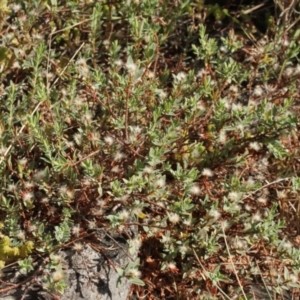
(90, 274)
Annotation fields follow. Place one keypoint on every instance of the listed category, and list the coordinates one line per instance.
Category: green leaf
(136, 281)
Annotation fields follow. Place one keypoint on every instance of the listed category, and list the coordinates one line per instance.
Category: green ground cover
(179, 117)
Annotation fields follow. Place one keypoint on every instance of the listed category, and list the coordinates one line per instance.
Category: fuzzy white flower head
(234, 88)
(88, 117)
(195, 190)
(124, 215)
(134, 273)
(187, 222)
(255, 146)
(297, 69)
(63, 189)
(27, 196)
(256, 217)
(240, 127)
(250, 182)
(215, 214)
(148, 170)
(160, 183)
(222, 137)
(70, 194)
(150, 74)
(28, 184)
(39, 175)
(294, 278)
(16, 65)
(237, 106)
(281, 194)
(172, 266)
(135, 243)
(181, 76)
(234, 196)
(248, 207)
(21, 235)
(57, 276)
(16, 7)
(207, 172)
(224, 225)
(287, 245)
(183, 249)
(262, 200)
(22, 161)
(78, 247)
(118, 62)
(131, 67)
(136, 130)
(201, 73)
(3, 150)
(289, 71)
(115, 169)
(12, 187)
(174, 218)
(201, 106)
(76, 230)
(118, 156)
(109, 140)
(258, 91)
(81, 61)
(45, 200)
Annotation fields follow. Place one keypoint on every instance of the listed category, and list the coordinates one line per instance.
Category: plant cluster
(124, 113)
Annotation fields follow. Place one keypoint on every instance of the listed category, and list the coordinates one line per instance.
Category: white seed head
(21, 235)
(57, 276)
(224, 224)
(255, 146)
(174, 218)
(115, 169)
(76, 230)
(258, 91)
(181, 76)
(294, 278)
(12, 187)
(289, 71)
(187, 222)
(215, 214)
(148, 170)
(183, 249)
(207, 172)
(22, 161)
(124, 215)
(118, 62)
(109, 140)
(234, 88)
(256, 217)
(118, 156)
(287, 245)
(27, 196)
(39, 175)
(234, 196)
(195, 190)
(222, 137)
(248, 207)
(16, 7)
(262, 200)
(136, 243)
(160, 183)
(281, 194)
(78, 247)
(131, 67)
